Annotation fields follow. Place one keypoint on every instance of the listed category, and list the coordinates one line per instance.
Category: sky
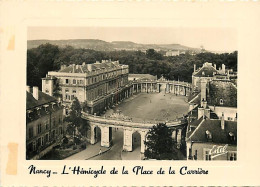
(214, 39)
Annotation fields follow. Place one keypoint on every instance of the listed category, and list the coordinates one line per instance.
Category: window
(74, 81)
(66, 90)
(46, 138)
(74, 91)
(81, 81)
(207, 156)
(30, 132)
(67, 97)
(195, 157)
(39, 129)
(46, 125)
(42, 141)
(67, 111)
(221, 102)
(54, 121)
(38, 142)
(60, 118)
(232, 156)
(34, 146)
(67, 81)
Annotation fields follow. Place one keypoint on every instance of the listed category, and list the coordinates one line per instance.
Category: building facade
(212, 121)
(98, 85)
(44, 123)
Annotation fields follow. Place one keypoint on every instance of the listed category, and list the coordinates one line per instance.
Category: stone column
(143, 135)
(178, 137)
(146, 88)
(127, 140)
(92, 139)
(174, 135)
(141, 87)
(105, 137)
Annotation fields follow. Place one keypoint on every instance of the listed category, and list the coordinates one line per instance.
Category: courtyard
(152, 107)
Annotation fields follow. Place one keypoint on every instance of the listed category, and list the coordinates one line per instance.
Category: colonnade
(148, 87)
(106, 136)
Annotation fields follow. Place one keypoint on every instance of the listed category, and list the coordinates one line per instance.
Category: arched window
(232, 136)
(221, 102)
(208, 135)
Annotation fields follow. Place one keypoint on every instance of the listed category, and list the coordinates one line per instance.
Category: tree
(75, 122)
(159, 143)
(57, 89)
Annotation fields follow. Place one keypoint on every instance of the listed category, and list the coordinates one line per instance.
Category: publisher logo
(218, 150)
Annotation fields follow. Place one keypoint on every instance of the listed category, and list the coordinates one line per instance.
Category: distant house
(44, 123)
(172, 53)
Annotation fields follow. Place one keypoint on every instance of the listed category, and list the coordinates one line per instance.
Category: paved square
(152, 107)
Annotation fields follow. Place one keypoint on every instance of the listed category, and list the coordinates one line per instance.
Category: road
(115, 152)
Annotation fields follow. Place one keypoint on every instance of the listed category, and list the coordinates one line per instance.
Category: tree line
(48, 57)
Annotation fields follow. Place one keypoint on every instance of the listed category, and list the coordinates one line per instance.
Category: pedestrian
(100, 152)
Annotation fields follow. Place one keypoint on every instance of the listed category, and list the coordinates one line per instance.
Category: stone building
(44, 123)
(209, 72)
(98, 85)
(212, 121)
(213, 139)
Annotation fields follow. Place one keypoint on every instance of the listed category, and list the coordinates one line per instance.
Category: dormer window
(38, 109)
(221, 102)
(52, 105)
(203, 73)
(232, 136)
(46, 108)
(208, 135)
(28, 113)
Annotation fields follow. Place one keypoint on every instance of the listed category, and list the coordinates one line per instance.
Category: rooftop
(31, 102)
(219, 136)
(222, 89)
(85, 68)
(143, 76)
(207, 70)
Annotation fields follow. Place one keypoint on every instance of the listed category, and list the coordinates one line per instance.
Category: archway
(97, 134)
(162, 88)
(136, 142)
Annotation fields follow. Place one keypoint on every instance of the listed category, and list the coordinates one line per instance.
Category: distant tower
(202, 49)
(48, 85)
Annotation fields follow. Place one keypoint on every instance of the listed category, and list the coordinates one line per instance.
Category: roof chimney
(223, 68)
(77, 66)
(73, 68)
(62, 67)
(222, 121)
(83, 64)
(215, 66)
(203, 90)
(194, 67)
(89, 67)
(36, 92)
(200, 112)
(28, 89)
